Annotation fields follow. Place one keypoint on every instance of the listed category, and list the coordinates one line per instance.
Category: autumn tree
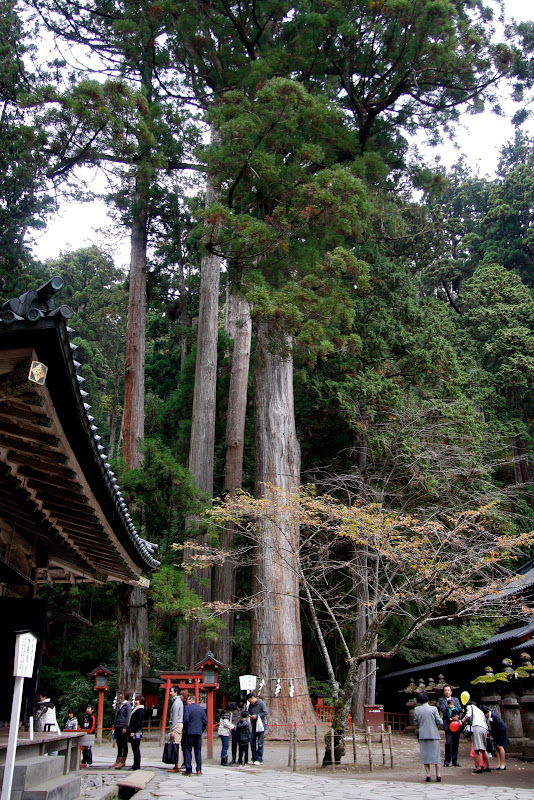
(425, 573)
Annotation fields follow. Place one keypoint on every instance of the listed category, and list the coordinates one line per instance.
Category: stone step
(136, 779)
(35, 771)
(68, 787)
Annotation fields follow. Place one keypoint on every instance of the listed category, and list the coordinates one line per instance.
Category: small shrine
(203, 678)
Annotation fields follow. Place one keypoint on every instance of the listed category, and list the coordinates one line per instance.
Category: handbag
(491, 747)
(170, 753)
(259, 725)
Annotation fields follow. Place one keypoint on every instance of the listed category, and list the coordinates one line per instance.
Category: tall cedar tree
(125, 37)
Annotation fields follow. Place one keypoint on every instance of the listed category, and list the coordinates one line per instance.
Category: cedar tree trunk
(276, 637)
(239, 328)
(134, 371)
(190, 647)
(132, 609)
(132, 618)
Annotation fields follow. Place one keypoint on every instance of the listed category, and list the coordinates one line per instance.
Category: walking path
(274, 781)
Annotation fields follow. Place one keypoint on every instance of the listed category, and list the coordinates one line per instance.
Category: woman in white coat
(428, 722)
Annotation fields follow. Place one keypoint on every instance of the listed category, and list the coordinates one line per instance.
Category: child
(72, 723)
(243, 738)
(225, 727)
(89, 725)
(453, 712)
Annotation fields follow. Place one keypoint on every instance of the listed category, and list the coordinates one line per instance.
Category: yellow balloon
(465, 697)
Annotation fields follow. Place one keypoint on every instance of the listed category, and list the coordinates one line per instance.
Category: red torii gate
(205, 676)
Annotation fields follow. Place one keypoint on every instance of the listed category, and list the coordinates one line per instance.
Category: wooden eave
(56, 488)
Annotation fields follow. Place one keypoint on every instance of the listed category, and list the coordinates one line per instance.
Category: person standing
(71, 723)
(45, 719)
(428, 722)
(452, 738)
(89, 725)
(176, 723)
(243, 737)
(135, 729)
(235, 711)
(226, 726)
(475, 717)
(195, 723)
(122, 718)
(497, 728)
(258, 712)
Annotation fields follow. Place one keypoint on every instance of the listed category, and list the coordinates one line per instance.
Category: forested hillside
(307, 304)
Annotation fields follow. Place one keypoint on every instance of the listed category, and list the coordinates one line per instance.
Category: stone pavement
(229, 784)
(274, 781)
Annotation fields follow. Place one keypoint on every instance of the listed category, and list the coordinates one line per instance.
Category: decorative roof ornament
(35, 304)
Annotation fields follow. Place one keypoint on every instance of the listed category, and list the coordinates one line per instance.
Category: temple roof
(59, 498)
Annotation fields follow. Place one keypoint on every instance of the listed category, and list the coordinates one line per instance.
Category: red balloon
(454, 725)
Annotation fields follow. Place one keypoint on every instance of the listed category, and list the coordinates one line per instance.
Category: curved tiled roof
(69, 463)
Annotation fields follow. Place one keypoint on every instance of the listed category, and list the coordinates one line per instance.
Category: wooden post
(12, 738)
(354, 756)
(294, 747)
(167, 688)
(290, 755)
(100, 717)
(209, 714)
(390, 747)
(332, 749)
(316, 744)
(370, 749)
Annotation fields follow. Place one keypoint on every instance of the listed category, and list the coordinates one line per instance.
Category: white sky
(479, 139)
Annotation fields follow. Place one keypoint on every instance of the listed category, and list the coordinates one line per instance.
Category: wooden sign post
(25, 646)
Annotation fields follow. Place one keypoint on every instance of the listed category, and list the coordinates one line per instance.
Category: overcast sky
(479, 138)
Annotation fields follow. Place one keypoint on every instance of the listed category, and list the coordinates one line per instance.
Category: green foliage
(95, 290)
(171, 594)
(67, 689)
(401, 64)
(24, 200)
(161, 493)
(499, 315)
(453, 637)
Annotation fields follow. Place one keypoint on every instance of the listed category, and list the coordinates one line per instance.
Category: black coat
(498, 730)
(243, 731)
(137, 719)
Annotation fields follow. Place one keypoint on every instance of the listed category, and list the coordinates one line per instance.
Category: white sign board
(247, 683)
(25, 646)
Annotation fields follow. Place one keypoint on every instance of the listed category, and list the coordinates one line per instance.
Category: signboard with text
(25, 646)
(247, 683)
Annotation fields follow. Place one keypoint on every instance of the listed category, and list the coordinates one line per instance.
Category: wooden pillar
(209, 712)
(100, 717)
(167, 688)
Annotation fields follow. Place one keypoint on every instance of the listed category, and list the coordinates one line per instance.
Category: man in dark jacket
(258, 713)
(452, 738)
(195, 722)
(122, 718)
